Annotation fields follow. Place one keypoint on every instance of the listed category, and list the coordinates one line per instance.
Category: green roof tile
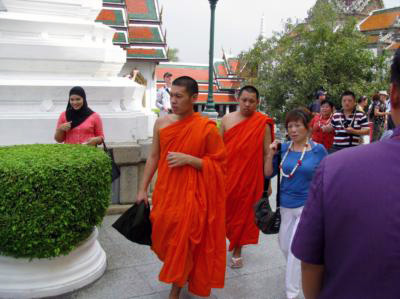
(145, 53)
(142, 10)
(139, 34)
(113, 17)
(119, 38)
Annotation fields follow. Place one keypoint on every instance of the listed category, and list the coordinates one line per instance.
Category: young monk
(247, 136)
(188, 214)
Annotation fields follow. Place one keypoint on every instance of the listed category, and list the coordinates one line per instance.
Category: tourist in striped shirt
(349, 124)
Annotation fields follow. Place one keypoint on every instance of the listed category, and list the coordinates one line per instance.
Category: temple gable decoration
(138, 24)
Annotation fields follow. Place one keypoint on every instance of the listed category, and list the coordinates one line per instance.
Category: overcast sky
(238, 23)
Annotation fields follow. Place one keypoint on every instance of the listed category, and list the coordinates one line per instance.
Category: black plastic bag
(135, 224)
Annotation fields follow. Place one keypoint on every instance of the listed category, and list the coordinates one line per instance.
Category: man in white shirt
(163, 96)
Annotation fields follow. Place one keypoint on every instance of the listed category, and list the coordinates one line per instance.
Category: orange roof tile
(199, 73)
(144, 34)
(111, 17)
(380, 20)
(141, 9)
(373, 39)
(119, 37)
(106, 14)
(143, 53)
(137, 6)
(229, 84)
(144, 17)
(220, 69)
(218, 98)
(394, 46)
(202, 87)
(234, 63)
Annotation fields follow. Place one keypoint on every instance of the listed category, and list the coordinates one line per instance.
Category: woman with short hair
(320, 123)
(300, 158)
(362, 104)
(79, 124)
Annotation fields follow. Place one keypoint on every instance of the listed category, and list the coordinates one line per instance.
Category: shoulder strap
(105, 146)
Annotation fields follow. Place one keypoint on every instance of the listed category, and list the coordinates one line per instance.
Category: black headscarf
(78, 116)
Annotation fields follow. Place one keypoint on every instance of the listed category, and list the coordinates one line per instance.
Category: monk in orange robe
(247, 136)
(188, 213)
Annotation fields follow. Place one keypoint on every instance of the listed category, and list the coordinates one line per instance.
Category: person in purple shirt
(348, 238)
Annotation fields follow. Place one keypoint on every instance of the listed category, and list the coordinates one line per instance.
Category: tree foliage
(327, 52)
(172, 54)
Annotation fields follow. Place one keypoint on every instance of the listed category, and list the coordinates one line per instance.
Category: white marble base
(21, 278)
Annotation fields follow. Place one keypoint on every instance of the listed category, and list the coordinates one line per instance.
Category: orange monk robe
(245, 147)
(188, 214)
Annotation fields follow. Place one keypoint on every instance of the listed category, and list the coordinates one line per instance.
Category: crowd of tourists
(339, 229)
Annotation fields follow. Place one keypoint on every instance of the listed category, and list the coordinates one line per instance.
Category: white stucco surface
(47, 47)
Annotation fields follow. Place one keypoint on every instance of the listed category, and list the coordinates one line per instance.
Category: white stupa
(47, 47)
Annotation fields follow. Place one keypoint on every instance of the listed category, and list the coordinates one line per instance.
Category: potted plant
(52, 198)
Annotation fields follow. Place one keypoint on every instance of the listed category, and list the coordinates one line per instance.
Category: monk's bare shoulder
(164, 121)
(231, 119)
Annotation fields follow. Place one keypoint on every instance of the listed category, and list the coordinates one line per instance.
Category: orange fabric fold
(244, 145)
(188, 214)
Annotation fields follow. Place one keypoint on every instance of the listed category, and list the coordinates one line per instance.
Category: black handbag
(267, 220)
(135, 224)
(115, 171)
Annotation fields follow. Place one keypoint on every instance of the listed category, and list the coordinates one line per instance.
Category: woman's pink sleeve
(98, 127)
(61, 120)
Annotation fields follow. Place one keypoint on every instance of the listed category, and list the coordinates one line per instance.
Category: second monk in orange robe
(188, 214)
(247, 136)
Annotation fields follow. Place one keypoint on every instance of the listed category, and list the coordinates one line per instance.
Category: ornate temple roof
(394, 46)
(226, 81)
(138, 25)
(199, 72)
(382, 28)
(381, 19)
(357, 8)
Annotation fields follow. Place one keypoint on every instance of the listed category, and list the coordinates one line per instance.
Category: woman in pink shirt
(79, 124)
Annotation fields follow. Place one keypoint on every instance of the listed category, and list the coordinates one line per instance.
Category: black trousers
(335, 149)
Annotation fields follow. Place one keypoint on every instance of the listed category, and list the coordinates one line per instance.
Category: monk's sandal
(236, 262)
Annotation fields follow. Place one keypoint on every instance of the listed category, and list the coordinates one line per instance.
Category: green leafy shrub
(51, 197)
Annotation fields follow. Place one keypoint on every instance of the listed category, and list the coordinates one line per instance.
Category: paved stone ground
(132, 272)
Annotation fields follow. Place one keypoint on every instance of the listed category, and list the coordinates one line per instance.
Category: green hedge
(51, 197)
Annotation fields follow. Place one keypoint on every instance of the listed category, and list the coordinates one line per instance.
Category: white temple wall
(147, 69)
(47, 47)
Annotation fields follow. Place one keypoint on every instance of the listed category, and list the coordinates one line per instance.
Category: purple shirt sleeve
(308, 242)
